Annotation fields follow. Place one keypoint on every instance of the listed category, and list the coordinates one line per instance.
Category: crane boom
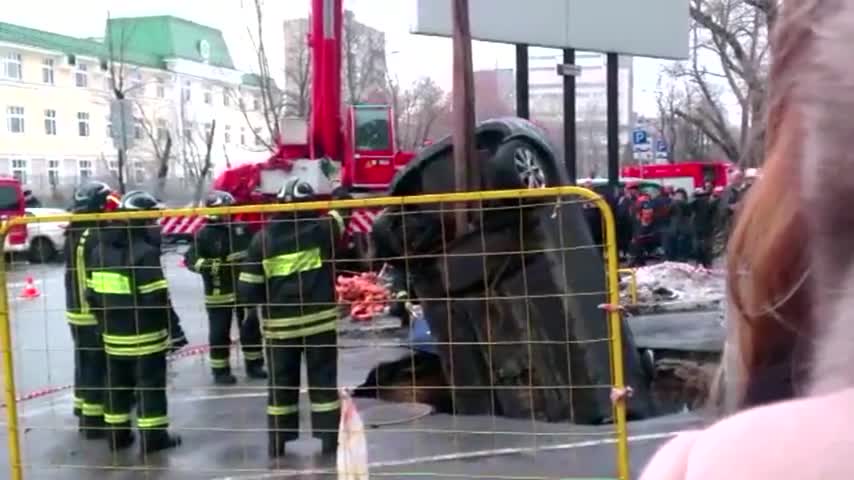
(325, 126)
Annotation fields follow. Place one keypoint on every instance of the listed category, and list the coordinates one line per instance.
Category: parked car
(45, 241)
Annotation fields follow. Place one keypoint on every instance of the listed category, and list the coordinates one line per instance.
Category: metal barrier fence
(508, 331)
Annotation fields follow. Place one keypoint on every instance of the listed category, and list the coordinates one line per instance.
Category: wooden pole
(466, 174)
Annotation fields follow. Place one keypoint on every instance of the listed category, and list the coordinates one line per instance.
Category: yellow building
(177, 77)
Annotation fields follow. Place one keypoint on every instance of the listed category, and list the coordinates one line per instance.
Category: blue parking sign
(661, 146)
(639, 137)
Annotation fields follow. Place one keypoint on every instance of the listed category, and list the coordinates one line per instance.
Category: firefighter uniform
(129, 295)
(288, 271)
(91, 197)
(215, 254)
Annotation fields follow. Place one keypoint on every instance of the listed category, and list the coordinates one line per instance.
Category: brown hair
(768, 262)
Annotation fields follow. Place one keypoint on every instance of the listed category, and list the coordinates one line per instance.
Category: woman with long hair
(789, 371)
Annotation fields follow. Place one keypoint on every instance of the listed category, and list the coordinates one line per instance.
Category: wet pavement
(223, 428)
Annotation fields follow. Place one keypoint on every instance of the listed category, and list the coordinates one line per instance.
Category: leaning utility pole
(466, 173)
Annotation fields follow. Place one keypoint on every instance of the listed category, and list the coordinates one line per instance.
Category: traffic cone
(30, 290)
(182, 263)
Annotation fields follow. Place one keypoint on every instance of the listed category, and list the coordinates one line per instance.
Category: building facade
(177, 78)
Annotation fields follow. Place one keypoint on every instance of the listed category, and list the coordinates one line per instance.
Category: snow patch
(670, 286)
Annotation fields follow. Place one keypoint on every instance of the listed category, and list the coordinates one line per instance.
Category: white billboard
(650, 28)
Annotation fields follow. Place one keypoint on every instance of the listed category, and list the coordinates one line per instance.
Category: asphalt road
(223, 429)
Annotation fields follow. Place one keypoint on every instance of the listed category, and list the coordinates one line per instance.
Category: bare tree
(160, 140)
(271, 99)
(297, 71)
(363, 59)
(416, 111)
(205, 170)
(685, 139)
(735, 32)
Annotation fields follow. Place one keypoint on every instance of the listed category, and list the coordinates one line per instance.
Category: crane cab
(371, 158)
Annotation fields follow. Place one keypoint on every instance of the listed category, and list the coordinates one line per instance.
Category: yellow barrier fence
(478, 327)
(633, 283)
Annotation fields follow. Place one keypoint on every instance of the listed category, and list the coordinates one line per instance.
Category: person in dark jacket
(90, 197)
(703, 209)
(215, 253)
(289, 272)
(678, 232)
(129, 296)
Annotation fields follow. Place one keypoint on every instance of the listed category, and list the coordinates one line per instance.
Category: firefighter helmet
(93, 197)
(218, 198)
(296, 190)
(140, 200)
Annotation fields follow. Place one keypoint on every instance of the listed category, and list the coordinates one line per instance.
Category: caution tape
(183, 353)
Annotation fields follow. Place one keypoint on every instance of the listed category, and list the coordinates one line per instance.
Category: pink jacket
(805, 439)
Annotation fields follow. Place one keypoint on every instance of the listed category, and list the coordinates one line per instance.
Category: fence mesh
(479, 340)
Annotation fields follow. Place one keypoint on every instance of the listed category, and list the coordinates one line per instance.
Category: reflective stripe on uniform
(136, 345)
(279, 411)
(338, 219)
(219, 362)
(301, 332)
(153, 286)
(290, 263)
(237, 255)
(80, 271)
(111, 283)
(220, 298)
(81, 319)
(92, 409)
(78, 402)
(325, 406)
(301, 320)
(253, 355)
(247, 277)
(116, 418)
(152, 422)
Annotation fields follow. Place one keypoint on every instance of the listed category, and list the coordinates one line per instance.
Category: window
(208, 96)
(50, 122)
(108, 84)
(137, 86)
(53, 172)
(138, 171)
(186, 91)
(137, 129)
(161, 88)
(19, 169)
(243, 135)
(226, 97)
(12, 66)
(257, 135)
(83, 124)
(113, 166)
(372, 129)
(15, 119)
(9, 198)
(109, 128)
(81, 77)
(162, 130)
(227, 134)
(84, 169)
(208, 127)
(47, 71)
(256, 103)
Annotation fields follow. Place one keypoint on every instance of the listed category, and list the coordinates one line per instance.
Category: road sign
(568, 70)
(639, 137)
(661, 146)
(122, 121)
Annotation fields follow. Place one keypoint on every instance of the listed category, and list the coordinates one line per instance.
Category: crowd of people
(674, 224)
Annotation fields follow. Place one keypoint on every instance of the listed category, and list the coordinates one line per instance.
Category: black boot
(223, 376)
(157, 440)
(120, 438)
(178, 343)
(280, 431)
(255, 370)
(328, 444)
(93, 427)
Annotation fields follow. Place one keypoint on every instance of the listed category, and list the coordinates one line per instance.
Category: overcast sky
(410, 56)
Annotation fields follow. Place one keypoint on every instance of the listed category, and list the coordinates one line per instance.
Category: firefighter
(129, 295)
(214, 253)
(91, 197)
(289, 272)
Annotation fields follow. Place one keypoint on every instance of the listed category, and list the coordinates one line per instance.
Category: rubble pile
(675, 286)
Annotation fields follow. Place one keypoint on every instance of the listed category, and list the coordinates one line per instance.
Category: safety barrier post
(633, 283)
(9, 391)
(615, 320)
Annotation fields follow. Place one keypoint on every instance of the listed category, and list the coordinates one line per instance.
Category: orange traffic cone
(30, 290)
(182, 263)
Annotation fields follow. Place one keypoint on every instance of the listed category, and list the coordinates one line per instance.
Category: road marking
(461, 456)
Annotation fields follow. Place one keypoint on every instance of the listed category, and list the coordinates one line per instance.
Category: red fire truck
(686, 175)
(355, 153)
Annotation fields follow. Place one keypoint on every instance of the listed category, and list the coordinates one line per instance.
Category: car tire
(519, 164)
(41, 250)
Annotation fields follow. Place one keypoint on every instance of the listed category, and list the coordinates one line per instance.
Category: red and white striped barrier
(362, 220)
(44, 392)
(188, 225)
